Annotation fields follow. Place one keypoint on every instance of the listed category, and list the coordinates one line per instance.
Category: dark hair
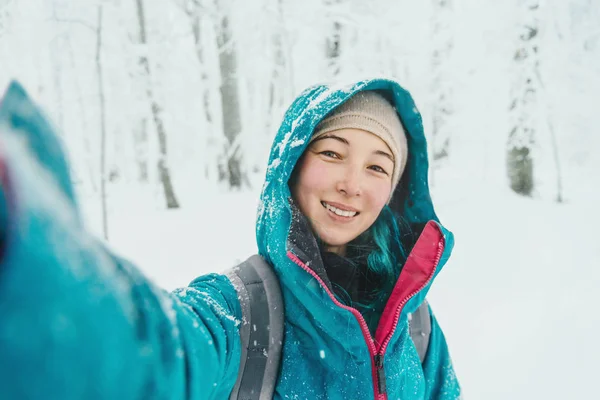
(382, 249)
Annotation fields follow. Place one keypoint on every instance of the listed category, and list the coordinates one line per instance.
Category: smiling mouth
(340, 212)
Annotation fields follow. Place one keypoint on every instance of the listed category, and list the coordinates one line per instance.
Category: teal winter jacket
(78, 322)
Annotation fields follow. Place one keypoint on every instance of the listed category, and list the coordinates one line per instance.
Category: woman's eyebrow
(383, 153)
(329, 136)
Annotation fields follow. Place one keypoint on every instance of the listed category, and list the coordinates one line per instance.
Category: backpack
(261, 330)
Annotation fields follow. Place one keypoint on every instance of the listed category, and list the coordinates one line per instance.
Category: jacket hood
(411, 198)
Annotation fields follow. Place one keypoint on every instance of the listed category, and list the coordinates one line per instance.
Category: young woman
(346, 221)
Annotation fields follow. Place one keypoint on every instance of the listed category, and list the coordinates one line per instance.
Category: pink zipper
(381, 385)
(363, 324)
(410, 296)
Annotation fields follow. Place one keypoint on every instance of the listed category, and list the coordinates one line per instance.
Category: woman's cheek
(381, 194)
(316, 175)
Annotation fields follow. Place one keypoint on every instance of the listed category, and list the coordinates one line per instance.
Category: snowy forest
(168, 109)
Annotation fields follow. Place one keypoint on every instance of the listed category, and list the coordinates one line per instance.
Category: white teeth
(339, 212)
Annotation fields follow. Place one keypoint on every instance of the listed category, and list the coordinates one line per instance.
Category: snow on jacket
(76, 321)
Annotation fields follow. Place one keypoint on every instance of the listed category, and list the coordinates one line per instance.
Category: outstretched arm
(78, 322)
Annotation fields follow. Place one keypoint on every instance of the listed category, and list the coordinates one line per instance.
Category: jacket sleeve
(441, 381)
(77, 321)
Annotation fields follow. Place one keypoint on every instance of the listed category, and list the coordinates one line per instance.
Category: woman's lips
(334, 213)
(340, 206)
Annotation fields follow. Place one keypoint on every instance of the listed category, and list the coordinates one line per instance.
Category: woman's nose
(350, 183)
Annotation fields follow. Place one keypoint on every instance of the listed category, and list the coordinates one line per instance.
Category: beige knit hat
(371, 112)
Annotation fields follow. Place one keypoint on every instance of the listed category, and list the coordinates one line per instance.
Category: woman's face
(342, 183)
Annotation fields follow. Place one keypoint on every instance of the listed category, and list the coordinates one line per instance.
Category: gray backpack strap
(420, 329)
(261, 330)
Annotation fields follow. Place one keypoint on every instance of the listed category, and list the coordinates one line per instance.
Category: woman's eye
(328, 153)
(377, 168)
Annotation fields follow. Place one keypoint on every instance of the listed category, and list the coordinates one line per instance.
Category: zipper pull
(381, 386)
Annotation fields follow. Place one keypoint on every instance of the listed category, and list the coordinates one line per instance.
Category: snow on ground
(517, 300)
(173, 247)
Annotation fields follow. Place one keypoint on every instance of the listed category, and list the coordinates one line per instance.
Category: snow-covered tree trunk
(523, 109)
(333, 38)
(442, 83)
(553, 47)
(279, 84)
(88, 157)
(156, 110)
(230, 103)
(202, 20)
(55, 56)
(140, 125)
(102, 106)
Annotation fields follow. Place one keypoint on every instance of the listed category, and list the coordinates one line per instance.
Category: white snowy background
(519, 299)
